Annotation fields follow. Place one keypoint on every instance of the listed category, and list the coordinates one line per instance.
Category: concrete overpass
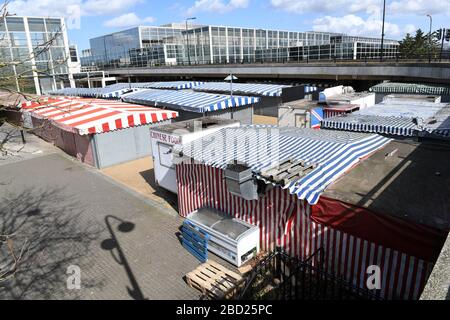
(400, 71)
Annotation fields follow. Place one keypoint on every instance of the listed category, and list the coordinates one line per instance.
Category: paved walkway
(61, 209)
(139, 176)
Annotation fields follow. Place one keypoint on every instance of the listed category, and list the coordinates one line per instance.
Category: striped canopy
(404, 118)
(412, 88)
(112, 91)
(270, 90)
(261, 147)
(88, 116)
(369, 123)
(177, 85)
(189, 101)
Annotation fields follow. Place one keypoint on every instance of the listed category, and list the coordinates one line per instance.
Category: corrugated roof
(396, 118)
(88, 116)
(177, 85)
(416, 88)
(190, 101)
(271, 90)
(373, 124)
(113, 91)
(261, 147)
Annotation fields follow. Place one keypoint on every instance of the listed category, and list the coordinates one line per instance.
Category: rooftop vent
(240, 181)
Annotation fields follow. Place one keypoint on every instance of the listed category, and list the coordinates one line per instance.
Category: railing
(281, 277)
(305, 59)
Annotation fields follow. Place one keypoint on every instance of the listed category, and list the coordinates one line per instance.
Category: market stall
(197, 104)
(98, 132)
(291, 169)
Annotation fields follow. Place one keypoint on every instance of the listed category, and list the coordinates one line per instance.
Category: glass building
(34, 54)
(340, 47)
(140, 45)
(175, 44)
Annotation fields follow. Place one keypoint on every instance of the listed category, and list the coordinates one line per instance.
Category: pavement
(12, 148)
(138, 175)
(63, 215)
(259, 119)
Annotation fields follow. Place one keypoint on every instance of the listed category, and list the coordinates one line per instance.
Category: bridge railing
(434, 58)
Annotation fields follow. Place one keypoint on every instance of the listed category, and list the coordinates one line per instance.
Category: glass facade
(174, 44)
(214, 44)
(35, 52)
(130, 47)
(339, 48)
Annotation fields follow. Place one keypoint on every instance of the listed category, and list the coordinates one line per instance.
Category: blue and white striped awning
(396, 118)
(189, 101)
(270, 90)
(374, 124)
(261, 147)
(112, 91)
(176, 85)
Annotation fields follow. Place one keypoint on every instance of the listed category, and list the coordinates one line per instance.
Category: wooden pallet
(214, 280)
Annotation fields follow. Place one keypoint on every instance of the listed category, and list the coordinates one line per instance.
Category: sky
(90, 18)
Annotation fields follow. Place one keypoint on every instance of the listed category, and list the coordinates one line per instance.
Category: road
(58, 211)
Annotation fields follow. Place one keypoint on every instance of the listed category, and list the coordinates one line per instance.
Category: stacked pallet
(287, 171)
(215, 281)
(195, 241)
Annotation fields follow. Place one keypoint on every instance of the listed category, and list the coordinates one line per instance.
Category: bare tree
(23, 65)
(16, 71)
(9, 268)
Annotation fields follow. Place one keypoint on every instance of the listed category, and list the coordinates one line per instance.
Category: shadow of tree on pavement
(54, 233)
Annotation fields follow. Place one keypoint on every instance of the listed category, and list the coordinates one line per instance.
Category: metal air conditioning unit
(240, 181)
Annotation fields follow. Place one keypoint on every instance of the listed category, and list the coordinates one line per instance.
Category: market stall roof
(112, 91)
(341, 107)
(176, 85)
(401, 179)
(189, 101)
(396, 118)
(260, 89)
(88, 116)
(415, 88)
(260, 147)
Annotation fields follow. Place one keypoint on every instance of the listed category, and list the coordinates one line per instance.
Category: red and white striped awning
(88, 116)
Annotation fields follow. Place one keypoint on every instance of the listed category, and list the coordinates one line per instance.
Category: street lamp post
(382, 31)
(429, 38)
(128, 68)
(187, 39)
(230, 78)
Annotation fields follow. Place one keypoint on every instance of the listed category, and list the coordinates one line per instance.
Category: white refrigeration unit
(232, 239)
(165, 137)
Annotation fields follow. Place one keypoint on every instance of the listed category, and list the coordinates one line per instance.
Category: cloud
(420, 7)
(127, 20)
(217, 6)
(64, 8)
(325, 6)
(369, 7)
(354, 25)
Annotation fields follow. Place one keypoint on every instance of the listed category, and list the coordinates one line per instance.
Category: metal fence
(278, 58)
(281, 277)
